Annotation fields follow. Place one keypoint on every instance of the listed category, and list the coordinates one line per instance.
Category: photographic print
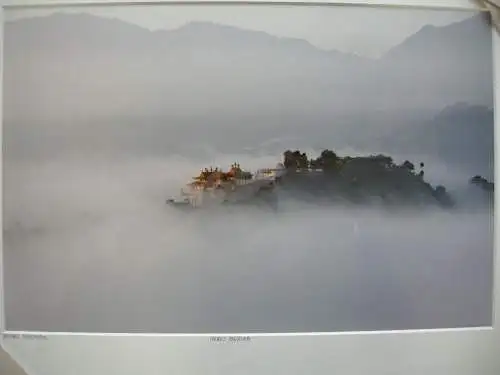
(247, 169)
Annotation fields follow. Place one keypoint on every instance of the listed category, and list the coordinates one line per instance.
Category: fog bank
(89, 245)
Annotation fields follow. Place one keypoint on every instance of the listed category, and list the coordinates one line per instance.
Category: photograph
(247, 169)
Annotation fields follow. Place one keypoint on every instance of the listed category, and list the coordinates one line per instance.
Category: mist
(89, 245)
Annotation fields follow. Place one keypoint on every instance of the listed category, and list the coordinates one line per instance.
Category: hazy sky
(365, 31)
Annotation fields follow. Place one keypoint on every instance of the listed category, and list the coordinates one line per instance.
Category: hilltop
(483, 183)
(373, 179)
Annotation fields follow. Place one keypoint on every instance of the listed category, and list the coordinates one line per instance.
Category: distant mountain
(465, 134)
(75, 65)
(444, 42)
(452, 63)
(461, 135)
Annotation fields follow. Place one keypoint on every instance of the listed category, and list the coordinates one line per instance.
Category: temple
(213, 185)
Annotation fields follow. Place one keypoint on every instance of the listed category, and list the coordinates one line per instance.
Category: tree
(383, 159)
(328, 154)
(289, 159)
(328, 160)
(409, 165)
(303, 162)
(295, 160)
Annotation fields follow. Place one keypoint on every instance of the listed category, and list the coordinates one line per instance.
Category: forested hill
(374, 179)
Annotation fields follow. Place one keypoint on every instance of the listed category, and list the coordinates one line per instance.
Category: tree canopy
(362, 177)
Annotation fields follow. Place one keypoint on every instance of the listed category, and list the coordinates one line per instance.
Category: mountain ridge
(211, 26)
(137, 71)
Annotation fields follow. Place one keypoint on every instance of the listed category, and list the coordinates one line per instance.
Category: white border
(345, 333)
(443, 351)
(2, 310)
(444, 4)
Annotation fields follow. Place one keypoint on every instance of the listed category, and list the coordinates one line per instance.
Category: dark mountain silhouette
(460, 134)
(465, 134)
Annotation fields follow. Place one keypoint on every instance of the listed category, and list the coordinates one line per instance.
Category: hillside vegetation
(364, 179)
